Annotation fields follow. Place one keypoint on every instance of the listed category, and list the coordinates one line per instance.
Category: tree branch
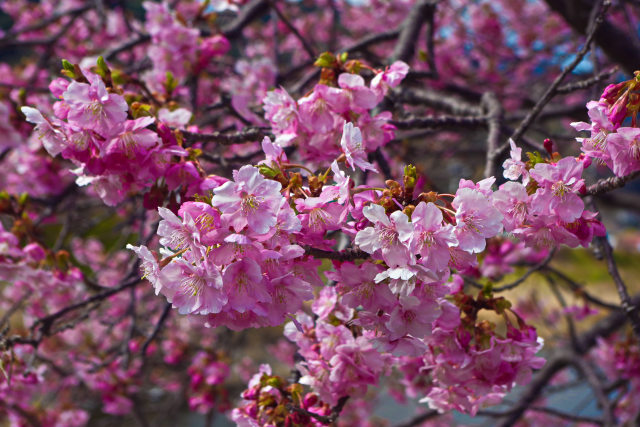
(421, 12)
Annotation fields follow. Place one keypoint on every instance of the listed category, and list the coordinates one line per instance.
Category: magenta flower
(149, 266)
(558, 184)
(623, 148)
(358, 287)
(315, 111)
(318, 215)
(53, 140)
(353, 148)
(132, 138)
(177, 233)
(193, 289)
(512, 201)
(250, 200)
(342, 189)
(390, 235)
(281, 111)
(431, 239)
(412, 317)
(92, 107)
(476, 219)
(359, 96)
(389, 78)
(514, 167)
(244, 285)
(601, 127)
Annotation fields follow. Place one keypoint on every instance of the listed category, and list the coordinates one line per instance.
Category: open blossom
(133, 138)
(318, 214)
(601, 128)
(314, 110)
(195, 289)
(558, 186)
(353, 148)
(92, 107)
(149, 266)
(390, 235)
(623, 148)
(281, 110)
(389, 78)
(244, 285)
(431, 239)
(357, 286)
(477, 219)
(342, 189)
(359, 96)
(512, 201)
(411, 317)
(249, 201)
(176, 233)
(514, 167)
(53, 140)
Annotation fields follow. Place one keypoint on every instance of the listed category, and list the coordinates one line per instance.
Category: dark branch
(607, 184)
(348, 254)
(587, 83)
(441, 122)
(410, 33)
(250, 134)
(628, 306)
(250, 12)
(551, 90)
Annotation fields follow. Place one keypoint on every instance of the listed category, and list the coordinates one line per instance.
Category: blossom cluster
(615, 137)
(239, 258)
(316, 121)
(370, 276)
(93, 128)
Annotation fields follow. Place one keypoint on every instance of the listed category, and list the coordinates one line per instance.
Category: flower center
(560, 189)
(193, 284)
(388, 237)
(470, 223)
(250, 204)
(634, 149)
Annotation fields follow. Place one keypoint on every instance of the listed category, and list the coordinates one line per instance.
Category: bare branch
(305, 44)
(628, 306)
(587, 83)
(608, 184)
(551, 90)
(441, 122)
(421, 12)
(161, 321)
(250, 12)
(493, 110)
(529, 272)
(249, 134)
(348, 254)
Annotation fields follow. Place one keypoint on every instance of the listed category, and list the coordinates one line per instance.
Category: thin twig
(551, 90)
(587, 83)
(598, 389)
(161, 321)
(628, 306)
(348, 254)
(305, 43)
(250, 134)
(441, 122)
(529, 272)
